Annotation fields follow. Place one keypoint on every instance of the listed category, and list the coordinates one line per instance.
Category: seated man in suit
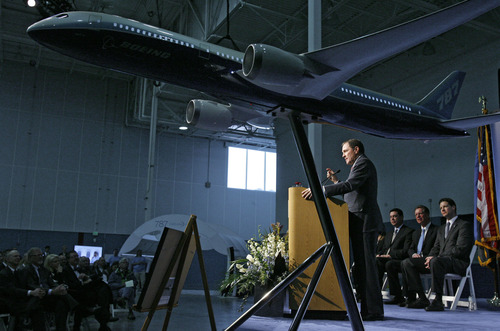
(88, 291)
(394, 250)
(33, 276)
(422, 242)
(123, 282)
(17, 301)
(451, 250)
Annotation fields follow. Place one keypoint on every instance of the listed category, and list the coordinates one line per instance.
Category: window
(251, 169)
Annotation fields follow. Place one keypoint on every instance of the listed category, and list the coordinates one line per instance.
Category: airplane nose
(45, 23)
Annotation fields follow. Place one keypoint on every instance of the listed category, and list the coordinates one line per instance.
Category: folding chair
(11, 322)
(454, 296)
(385, 286)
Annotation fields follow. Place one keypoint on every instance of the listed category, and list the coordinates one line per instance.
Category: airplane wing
(472, 122)
(349, 58)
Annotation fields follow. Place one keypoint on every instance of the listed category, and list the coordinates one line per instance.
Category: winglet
(442, 99)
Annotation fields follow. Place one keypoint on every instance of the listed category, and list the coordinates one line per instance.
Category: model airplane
(266, 80)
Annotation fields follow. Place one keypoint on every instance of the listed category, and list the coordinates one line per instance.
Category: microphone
(328, 178)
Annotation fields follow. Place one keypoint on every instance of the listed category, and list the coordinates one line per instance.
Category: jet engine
(208, 115)
(270, 65)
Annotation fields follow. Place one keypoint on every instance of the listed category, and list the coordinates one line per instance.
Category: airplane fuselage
(143, 50)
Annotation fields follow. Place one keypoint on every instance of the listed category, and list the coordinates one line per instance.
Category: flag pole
(495, 301)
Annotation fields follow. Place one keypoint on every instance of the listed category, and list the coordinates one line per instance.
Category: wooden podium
(305, 237)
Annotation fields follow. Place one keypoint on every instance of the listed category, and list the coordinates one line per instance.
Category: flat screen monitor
(92, 252)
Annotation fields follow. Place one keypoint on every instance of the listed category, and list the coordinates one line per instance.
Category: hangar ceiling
(276, 22)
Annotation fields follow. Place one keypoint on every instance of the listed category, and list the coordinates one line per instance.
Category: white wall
(69, 163)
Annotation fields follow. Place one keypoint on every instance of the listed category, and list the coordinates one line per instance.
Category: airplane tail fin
(441, 100)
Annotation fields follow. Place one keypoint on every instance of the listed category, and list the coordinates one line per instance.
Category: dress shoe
(395, 301)
(113, 319)
(436, 305)
(131, 315)
(406, 302)
(373, 317)
(419, 303)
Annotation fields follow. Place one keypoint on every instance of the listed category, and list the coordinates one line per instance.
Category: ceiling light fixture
(48, 8)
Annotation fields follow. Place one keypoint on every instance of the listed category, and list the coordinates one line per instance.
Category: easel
(173, 258)
(330, 249)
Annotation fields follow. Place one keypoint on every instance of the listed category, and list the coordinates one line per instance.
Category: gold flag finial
(483, 101)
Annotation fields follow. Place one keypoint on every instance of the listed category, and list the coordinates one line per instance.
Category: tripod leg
(325, 219)
(311, 287)
(277, 289)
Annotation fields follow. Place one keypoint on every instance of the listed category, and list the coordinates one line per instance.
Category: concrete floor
(192, 314)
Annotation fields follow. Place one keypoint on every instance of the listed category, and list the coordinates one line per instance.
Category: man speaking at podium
(365, 223)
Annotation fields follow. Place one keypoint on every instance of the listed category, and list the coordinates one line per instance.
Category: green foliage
(265, 265)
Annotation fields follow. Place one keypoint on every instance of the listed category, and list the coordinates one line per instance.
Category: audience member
(63, 260)
(3, 262)
(139, 264)
(34, 276)
(114, 258)
(46, 251)
(122, 282)
(85, 268)
(53, 265)
(101, 269)
(113, 267)
(93, 295)
(20, 302)
(394, 250)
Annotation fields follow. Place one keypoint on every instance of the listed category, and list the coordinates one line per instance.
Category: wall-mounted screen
(92, 252)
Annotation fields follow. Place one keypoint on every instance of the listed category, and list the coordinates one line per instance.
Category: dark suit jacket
(399, 247)
(30, 280)
(429, 240)
(15, 299)
(8, 285)
(457, 245)
(71, 280)
(360, 193)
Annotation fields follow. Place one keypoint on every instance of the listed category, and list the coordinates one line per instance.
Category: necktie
(394, 235)
(38, 275)
(421, 242)
(392, 240)
(447, 229)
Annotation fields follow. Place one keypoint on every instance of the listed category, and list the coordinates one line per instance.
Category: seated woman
(53, 265)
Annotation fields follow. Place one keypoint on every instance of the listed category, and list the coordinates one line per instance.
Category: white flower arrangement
(265, 265)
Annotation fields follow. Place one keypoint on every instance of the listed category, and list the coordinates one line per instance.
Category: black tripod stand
(330, 249)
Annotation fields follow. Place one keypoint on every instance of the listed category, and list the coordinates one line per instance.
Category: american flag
(487, 234)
